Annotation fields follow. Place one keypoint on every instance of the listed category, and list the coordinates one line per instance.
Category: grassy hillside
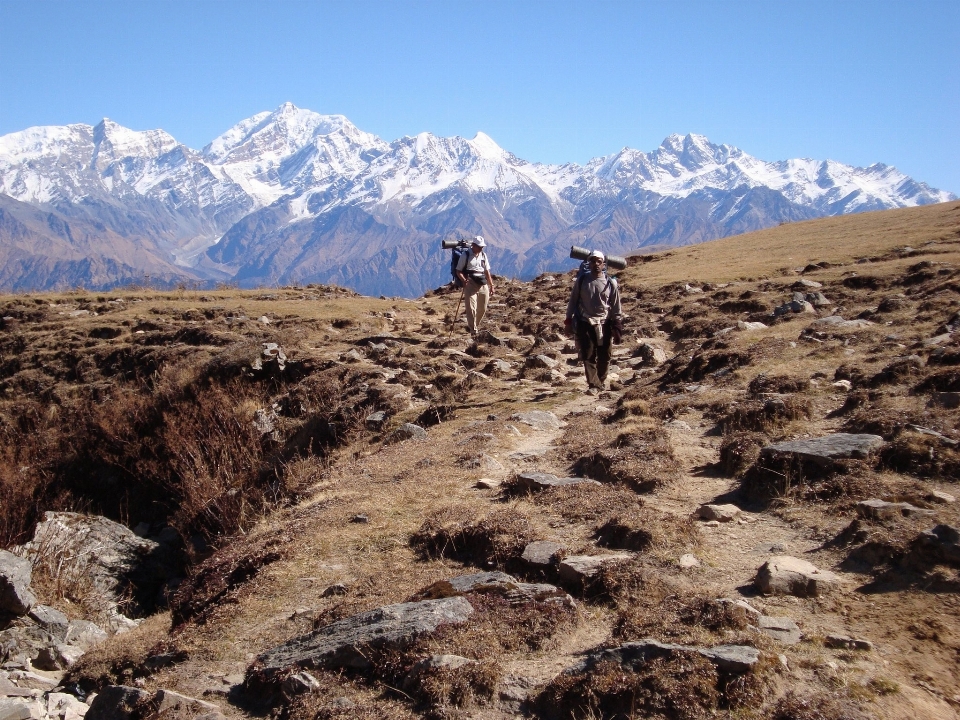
(297, 509)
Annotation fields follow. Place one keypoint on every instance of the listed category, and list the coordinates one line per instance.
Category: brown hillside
(298, 510)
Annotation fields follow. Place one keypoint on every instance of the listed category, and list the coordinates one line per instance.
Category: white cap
(478, 241)
(597, 254)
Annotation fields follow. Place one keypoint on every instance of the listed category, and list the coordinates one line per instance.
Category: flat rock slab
(538, 419)
(340, 644)
(535, 482)
(824, 450)
(723, 513)
(843, 642)
(734, 659)
(786, 575)
(581, 568)
(783, 630)
(881, 510)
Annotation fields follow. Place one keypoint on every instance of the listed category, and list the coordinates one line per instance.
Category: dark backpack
(462, 248)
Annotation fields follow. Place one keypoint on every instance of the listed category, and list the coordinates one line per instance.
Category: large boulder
(535, 482)
(341, 644)
(118, 562)
(496, 583)
(116, 702)
(16, 597)
(823, 451)
(578, 570)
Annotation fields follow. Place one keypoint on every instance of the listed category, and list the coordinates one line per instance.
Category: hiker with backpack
(595, 319)
(473, 273)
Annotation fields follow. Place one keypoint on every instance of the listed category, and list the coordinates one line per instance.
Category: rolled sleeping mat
(449, 244)
(614, 261)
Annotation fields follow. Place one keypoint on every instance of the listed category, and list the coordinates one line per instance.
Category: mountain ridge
(256, 205)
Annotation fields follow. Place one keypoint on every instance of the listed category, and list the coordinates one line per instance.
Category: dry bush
(739, 451)
(497, 539)
(764, 384)
(646, 529)
(587, 502)
(665, 612)
(639, 455)
(793, 706)
(224, 576)
(791, 477)
(704, 363)
(681, 687)
(123, 658)
(766, 415)
(922, 456)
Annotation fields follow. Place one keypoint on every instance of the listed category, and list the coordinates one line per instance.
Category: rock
(265, 421)
(579, 569)
(173, 703)
(938, 496)
(748, 326)
(24, 642)
(62, 705)
(496, 583)
(535, 482)
(823, 451)
(817, 299)
(487, 484)
(360, 519)
(513, 691)
(723, 513)
(879, 510)
(842, 642)
(651, 354)
(734, 659)
(688, 561)
(116, 702)
(786, 575)
(42, 680)
(804, 284)
(752, 613)
(271, 354)
(84, 634)
(949, 400)
(496, 368)
(781, 629)
(16, 597)
(21, 709)
(341, 643)
(484, 462)
(939, 544)
(58, 657)
(351, 356)
(375, 421)
(838, 322)
(540, 361)
(844, 385)
(335, 589)
(541, 553)
(679, 425)
(51, 620)
(407, 431)
(538, 419)
(118, 562)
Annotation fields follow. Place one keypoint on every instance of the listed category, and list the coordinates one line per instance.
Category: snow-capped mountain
(292, 196)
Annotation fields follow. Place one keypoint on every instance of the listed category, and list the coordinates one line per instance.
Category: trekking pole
(457, 313)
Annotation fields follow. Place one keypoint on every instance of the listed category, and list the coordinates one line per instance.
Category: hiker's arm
(489, 279)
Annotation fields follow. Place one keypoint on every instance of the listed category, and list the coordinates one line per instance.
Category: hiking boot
(592, 391)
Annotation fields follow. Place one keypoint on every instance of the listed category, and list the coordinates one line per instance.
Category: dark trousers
(595, 357)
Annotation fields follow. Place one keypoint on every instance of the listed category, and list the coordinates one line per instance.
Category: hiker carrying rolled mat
(595, 318)
(474, 272)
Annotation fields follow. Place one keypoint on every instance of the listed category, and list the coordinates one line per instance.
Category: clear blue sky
(858, 82)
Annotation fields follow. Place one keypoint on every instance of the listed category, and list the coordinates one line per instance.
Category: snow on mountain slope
(296, 169)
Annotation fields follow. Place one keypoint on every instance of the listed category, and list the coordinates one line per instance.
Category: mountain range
(295, 197)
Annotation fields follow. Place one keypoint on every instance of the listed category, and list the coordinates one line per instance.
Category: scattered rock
(879, 510)
(116, 702)
(786, 575)
(407, 431)
(823, 451)
(938, 496)
(173, 703)
(341, 643)
(783, 630)
(723, 513)
(939, 544)
(734, 659)
(688, 561)
(749, 326)
(496, 583)
(299, 683)
(535, 482)
(579, 569)
(375, 421)
(842, 642)
(538, 419)
(487, 484)
(541, 553)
